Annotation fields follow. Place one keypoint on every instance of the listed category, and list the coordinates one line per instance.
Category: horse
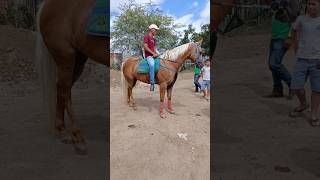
(220, 9)
(62, 49)
(170, 62)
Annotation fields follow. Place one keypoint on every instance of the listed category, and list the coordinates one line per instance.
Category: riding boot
(152, 87)
(196, 89)
(277, 92)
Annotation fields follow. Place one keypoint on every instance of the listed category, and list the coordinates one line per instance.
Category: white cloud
(204, 17)
(195, 4)
(184, 19)
(114, 4)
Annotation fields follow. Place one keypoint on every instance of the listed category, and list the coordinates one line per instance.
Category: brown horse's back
(129, 70)
(64, 32)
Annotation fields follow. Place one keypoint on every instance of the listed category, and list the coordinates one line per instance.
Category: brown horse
(221, 8)
(170, 63)
(62, 50)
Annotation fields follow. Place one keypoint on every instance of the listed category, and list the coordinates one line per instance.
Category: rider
(150, 51)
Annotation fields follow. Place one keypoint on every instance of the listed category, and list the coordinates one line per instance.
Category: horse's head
(197, 51)
(289, 7)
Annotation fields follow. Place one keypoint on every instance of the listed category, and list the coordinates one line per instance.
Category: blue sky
(195, 12)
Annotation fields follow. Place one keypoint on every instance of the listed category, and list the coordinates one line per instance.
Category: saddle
(98, 24)
(143, 67)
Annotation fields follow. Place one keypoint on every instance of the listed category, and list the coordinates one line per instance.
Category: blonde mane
(175, 53)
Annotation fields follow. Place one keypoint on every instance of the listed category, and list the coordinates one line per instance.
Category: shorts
(205, 84)
(303, 69)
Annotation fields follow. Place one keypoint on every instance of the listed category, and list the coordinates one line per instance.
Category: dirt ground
(27, 150)
(254, 139)
(145, 146)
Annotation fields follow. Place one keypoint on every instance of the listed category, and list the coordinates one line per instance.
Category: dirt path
(254, 139)
(144, 146)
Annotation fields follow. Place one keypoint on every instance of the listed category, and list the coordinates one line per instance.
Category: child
(205, 74)
(306, 39)
(196, 77)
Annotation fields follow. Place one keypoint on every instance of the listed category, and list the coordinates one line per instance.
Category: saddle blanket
(143, 66)
(98, 24)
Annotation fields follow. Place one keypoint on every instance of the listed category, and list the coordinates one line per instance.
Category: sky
(195, 12)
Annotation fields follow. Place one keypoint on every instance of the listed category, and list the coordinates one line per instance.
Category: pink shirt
(151, 44)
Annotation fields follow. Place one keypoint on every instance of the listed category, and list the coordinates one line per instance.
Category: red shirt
(151, 44)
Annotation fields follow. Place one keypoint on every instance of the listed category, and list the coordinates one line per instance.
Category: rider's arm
(148, 49)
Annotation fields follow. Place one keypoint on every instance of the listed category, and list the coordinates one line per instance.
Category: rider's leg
(151, 71)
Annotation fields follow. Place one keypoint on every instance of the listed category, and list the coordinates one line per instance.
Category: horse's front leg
(170, 107)
(163, 88)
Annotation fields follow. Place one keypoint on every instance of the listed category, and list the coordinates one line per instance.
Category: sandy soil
(144, 146)
(254, 139)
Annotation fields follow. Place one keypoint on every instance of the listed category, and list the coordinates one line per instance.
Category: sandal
(298, 111)
(314, 122)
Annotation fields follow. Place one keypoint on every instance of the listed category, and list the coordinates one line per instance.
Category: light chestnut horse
(62, 50)
(170, 63)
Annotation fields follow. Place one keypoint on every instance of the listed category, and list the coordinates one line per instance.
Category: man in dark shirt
(150, 51)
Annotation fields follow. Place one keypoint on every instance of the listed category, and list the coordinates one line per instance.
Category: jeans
(151, 67)
(279, 71)
(196, 81)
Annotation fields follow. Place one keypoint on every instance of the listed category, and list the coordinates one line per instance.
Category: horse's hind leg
(131, 101)
(79, 66)
(65, 81)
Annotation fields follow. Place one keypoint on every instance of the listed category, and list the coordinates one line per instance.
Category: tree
(187, 33)
(191, 36)
(132, 24)
(204, 35)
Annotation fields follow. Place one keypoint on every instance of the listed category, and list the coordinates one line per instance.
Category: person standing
(278, 48)
(306, 38)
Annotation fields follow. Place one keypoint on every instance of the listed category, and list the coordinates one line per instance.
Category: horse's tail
(46, 68)
(124, 84)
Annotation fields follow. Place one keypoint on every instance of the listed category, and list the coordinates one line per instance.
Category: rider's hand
(155, 54)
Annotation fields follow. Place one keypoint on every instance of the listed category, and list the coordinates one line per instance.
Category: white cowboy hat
(153, 26)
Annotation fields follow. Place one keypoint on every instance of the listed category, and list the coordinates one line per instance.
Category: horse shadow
(94, 126)
(152, 104)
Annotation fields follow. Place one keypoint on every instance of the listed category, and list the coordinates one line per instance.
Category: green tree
(187, 33)
(204, 34)
(132, 24)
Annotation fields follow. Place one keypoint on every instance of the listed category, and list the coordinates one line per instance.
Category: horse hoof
(66, 139)
(80, 148)
(162, 115)
(171, 111)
